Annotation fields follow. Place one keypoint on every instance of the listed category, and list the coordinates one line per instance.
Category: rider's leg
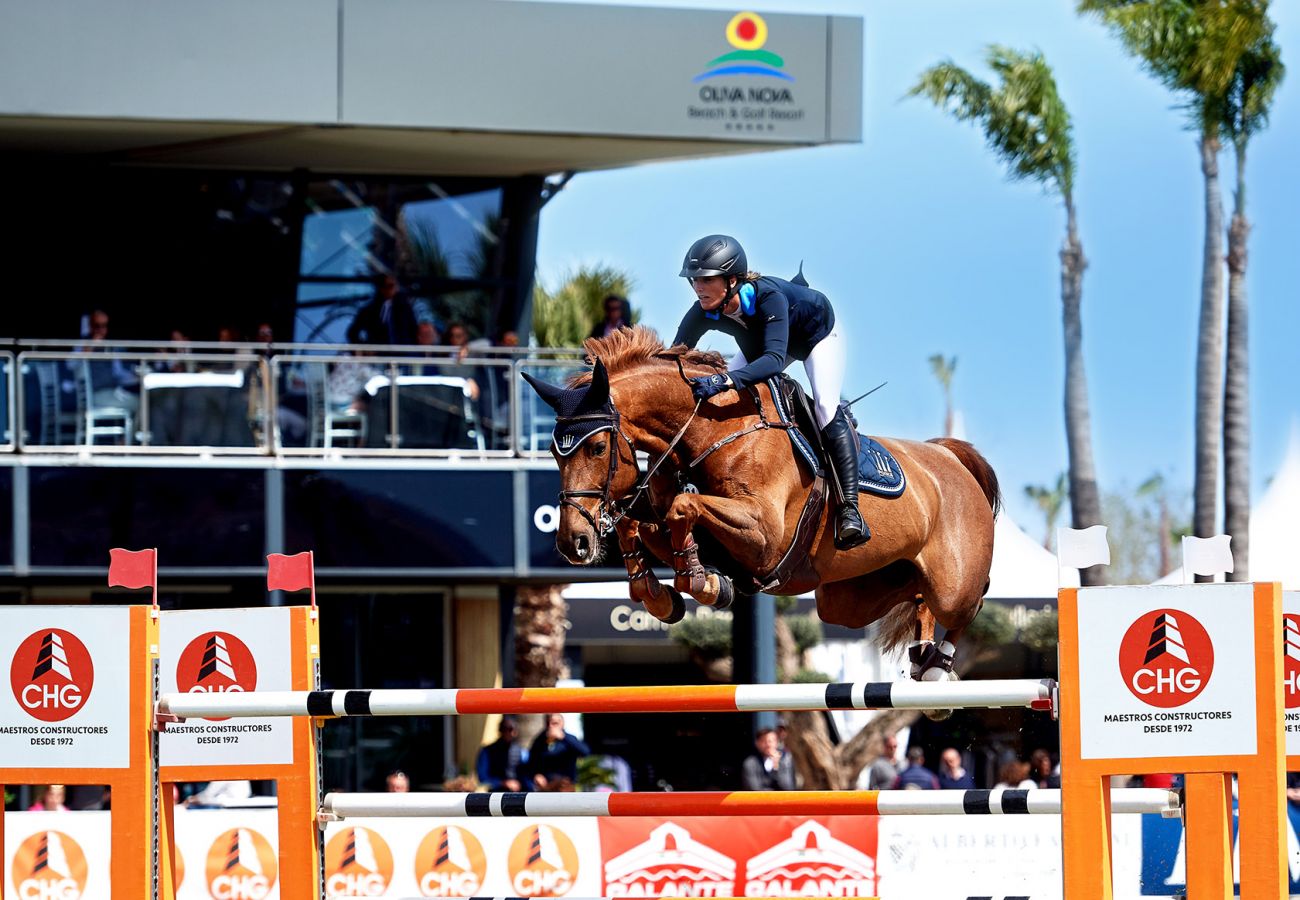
(825, 368)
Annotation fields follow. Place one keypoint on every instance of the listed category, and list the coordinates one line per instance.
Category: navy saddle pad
(878, 471)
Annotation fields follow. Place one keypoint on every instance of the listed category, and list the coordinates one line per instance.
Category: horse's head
(597, 462)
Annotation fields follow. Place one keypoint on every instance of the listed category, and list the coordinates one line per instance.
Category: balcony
(324, 401)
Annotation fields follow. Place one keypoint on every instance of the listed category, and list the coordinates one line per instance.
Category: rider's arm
(772, 316)
(692, 328)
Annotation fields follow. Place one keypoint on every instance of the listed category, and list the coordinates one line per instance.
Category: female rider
(775, 321)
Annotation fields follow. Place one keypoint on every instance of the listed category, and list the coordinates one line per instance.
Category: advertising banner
(226, 650)
(68, 698)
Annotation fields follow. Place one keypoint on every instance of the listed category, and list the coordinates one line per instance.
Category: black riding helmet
(715, 254)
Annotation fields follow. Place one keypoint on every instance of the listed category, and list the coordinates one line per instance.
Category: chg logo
(51, 674)
(216, 662)
(1166, 658)
(450, 863)
(49, 865)
(1291, 660)
(542, 862)
(241, 866)
(747, 33)
(358, 863)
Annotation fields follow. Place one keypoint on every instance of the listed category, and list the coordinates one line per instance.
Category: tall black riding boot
(842, 450)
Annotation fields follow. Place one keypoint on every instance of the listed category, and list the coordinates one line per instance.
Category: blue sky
(925, 247)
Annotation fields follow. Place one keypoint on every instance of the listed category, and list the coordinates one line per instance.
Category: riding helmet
(715, 254)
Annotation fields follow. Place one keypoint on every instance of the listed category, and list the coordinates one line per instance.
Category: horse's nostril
(582, 545)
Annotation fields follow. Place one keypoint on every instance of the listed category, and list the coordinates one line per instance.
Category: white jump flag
(1079, 548)
(1206, 556)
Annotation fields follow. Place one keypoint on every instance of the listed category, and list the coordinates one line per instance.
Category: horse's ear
(598, 392)
(549, 393)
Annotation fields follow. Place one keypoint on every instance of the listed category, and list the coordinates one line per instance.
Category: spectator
(769, 768)
(180, 364)
(265, 333)
(229, 334)
(458, 337)
(617, 315)
(498, 763)
(553, 758)
(426, 334)
(397, 782)
(952, 774)
(1015, 776)
(50, 799)
(884, 769)
(1040, 770)
(916, 777)
(387, 319)
(113, 383)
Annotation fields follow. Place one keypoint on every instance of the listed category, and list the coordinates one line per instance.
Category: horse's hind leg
(661, 601)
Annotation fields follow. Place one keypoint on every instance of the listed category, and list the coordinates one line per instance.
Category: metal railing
(294, 400)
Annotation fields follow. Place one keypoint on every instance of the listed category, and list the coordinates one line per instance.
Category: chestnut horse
(721, 474)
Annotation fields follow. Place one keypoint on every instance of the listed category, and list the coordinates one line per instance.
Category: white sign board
(226, 650)
(68, 701)
(1167, 671)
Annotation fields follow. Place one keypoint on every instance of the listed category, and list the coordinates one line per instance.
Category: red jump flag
(291, 573)
(133, 569)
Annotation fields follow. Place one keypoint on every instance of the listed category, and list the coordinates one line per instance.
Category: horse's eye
(598, 448)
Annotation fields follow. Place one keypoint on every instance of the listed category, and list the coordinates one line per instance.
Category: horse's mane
(631, 348)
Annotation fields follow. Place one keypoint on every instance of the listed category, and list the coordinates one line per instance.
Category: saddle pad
(878, 471)
(803, 448)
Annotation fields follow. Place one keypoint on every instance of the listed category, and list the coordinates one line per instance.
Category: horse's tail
(978, 466)
(897, 628)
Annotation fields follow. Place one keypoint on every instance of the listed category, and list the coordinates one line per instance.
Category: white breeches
(825, 368)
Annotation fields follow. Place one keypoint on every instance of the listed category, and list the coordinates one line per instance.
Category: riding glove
(706, 386)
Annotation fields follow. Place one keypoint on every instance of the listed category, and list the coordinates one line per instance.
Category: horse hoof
(726, 592)
(678, 611)
(938, 715)
(936, 674)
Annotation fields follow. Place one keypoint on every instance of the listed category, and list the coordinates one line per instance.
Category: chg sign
(1167, 671)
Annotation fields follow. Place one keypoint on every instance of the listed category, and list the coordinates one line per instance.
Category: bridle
(612, 510)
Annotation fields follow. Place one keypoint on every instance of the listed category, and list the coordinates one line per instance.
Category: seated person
(498, 763)
(553, 758)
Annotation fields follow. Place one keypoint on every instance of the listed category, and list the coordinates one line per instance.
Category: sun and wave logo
(747, 33)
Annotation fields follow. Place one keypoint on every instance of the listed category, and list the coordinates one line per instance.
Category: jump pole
(1175, 679)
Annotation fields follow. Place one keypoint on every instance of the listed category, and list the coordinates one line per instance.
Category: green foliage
(993, 626)
(1136, 531)
(564, 317)
(1024, 119)
(709, 636)
(810, 676)
(806, 631)
(591, 774)
(1050, 501)
(785, 604)
(943, 368)
(1218, 55)
(1039, 633)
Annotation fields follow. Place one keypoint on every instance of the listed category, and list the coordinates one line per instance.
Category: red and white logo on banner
(542, 862)
(51, 674)
(671, 863)
(1291, 660)
(811, 863)
(358, 863)
(241, 866)
(49, 865)
(1166, 658)
(450, 862)
(216, 662)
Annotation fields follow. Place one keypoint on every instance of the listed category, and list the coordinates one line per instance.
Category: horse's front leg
(734, 522)
(661, 601)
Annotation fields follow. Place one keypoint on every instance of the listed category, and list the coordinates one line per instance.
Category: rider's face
(710, 290)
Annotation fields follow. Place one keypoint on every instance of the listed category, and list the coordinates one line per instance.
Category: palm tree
(1155, 487)
(1027, 125)
(1195, 48)
(943, 369)
(1050, 501)
(1255, 80)
(564, 317)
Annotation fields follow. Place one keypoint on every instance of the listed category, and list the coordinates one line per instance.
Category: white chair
(329, 425)
(98, 421)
